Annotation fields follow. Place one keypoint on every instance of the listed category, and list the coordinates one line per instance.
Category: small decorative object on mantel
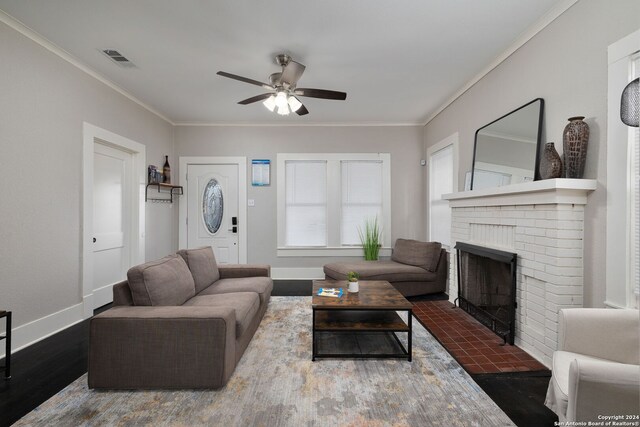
(166, 171)
(550, 163)
(353, 277)
(575, 140)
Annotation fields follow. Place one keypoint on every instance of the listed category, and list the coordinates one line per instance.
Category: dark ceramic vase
(575, 139)
(550, 163)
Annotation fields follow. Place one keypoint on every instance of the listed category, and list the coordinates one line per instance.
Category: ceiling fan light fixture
(270, 103)
(294, 103)
(281, 101)
(284, 110)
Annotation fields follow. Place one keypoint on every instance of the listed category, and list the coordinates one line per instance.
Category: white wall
(264, 142)
(566, 64)
(44, 101)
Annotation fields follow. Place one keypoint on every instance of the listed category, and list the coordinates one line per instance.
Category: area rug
(277, 384)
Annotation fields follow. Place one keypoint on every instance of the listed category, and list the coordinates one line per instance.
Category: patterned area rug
(277, 384)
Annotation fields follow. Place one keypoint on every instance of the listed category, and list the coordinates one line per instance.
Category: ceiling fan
(283, 91)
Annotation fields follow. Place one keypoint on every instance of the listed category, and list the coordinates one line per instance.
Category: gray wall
(264, 142)
(43, 103)
(566, 64)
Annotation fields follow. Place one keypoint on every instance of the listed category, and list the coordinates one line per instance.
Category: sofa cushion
(390, 271)
(245, 304)
(166, 281)
(421, 254)
(203, 266)
(262, 285)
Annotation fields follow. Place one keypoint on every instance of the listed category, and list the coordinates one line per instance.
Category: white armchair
(596, 370)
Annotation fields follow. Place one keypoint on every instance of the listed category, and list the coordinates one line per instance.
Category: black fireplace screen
(487, 287)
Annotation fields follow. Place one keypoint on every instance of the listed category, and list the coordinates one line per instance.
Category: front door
(112, 175)
(212, 211)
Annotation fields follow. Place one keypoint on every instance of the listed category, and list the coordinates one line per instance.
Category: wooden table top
(372, 295)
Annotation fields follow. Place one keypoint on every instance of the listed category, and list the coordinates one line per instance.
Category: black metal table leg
(313, 336)
(7, 337)
(410, 334)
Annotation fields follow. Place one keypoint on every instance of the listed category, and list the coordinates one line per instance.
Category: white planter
(353, 287)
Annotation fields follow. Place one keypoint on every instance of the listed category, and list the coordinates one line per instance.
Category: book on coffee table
(330, 292)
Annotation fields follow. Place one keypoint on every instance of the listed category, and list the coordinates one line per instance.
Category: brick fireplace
(542, 222)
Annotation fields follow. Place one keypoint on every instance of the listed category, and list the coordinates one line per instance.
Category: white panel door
(112, 170)
(212, 211)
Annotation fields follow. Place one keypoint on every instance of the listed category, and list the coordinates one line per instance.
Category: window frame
(620, 259)
(451, 140)
(334, 204)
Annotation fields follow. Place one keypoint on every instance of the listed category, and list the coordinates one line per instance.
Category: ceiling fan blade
(321, 93)
(244, 79)
(302, 111)
(256, 98)
(292, 73)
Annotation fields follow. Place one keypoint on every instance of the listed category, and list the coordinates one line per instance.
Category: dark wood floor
(43, 369)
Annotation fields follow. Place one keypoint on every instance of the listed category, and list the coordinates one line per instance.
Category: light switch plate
(251, 202)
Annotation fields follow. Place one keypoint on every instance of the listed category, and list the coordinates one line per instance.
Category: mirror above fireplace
(506, 151)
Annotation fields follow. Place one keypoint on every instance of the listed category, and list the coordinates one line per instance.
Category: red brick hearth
(473, 345)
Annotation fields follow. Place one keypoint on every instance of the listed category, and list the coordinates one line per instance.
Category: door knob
(94, 240)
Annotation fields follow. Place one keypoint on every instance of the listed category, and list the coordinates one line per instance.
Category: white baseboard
(283, 273)
(39, 329)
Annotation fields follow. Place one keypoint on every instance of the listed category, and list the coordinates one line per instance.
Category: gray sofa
(178, 322)
(415, 268)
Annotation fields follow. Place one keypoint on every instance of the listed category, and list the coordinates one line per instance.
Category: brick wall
(548, 239)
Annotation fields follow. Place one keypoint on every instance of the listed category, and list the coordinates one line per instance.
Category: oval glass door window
(212, 206)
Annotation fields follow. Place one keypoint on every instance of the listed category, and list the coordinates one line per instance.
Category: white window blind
(636, 184)
(635, 180)
(440, 182)
(361, 198)
(306, 203)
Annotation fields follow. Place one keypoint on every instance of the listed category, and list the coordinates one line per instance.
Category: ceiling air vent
(117, 57)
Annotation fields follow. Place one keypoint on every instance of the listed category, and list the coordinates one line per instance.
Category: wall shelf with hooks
(163, 188)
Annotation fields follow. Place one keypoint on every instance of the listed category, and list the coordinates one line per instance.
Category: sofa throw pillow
(203, 266)
(166, 281)
(421, 254)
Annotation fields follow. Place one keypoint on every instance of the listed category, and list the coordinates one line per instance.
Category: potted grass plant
(370, 239)
(353, 277)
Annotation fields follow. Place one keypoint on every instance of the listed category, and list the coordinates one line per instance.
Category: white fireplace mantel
(548, 191)
(543, 222)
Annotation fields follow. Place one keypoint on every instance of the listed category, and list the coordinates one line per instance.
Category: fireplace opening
(487, 287)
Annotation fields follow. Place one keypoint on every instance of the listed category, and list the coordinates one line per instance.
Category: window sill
(326, 252)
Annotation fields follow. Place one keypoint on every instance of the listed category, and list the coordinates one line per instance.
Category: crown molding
(354, 124)
(12, 22)
(523, 38)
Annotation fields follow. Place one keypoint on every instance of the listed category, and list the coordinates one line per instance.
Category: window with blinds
(306, 203)
(636, 192)
(634, 141)
(361, 197)
(441, 170)
(324, 198)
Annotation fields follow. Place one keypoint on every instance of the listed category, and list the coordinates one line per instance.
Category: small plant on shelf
(370, 239)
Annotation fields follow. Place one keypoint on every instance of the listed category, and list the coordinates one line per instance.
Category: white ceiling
(398, 61)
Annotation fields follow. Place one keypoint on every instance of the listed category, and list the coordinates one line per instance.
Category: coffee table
(373, 309)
